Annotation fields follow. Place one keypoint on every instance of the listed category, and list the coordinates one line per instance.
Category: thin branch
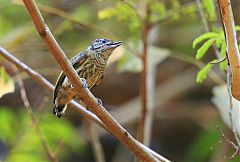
(95, 142)
(232, 144)
(146, 116)
(87, 97)
(198, 63)
(26, 103)
(49, 87)
(233, 124)
(206, 25)
(76, 20)
(173, 11)
(232, 46)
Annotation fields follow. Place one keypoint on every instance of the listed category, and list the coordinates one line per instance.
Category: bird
(90, 65)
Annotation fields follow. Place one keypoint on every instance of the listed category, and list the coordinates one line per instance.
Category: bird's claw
(84, 83)
(99, 101)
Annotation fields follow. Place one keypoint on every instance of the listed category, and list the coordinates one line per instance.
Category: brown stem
(145, 120)
(232, 46)
(206, 25)
(87, 97)
(95, 142)
(26, 103)
(49, 87)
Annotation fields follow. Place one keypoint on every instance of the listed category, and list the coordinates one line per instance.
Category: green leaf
(203, 37)
(237, 28)
(202, 74)
(200, 150)
(129, 62)
(223, 65)
(203, 49)
(6, 83)
(219, 42)
(209, 7)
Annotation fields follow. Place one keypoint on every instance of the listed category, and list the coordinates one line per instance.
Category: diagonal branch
(52, 157)
(88, 98)
(232, 46)
(48, 86)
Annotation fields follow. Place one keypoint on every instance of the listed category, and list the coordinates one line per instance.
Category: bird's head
(103, 46)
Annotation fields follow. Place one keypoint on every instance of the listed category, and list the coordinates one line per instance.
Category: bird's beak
(115, 44)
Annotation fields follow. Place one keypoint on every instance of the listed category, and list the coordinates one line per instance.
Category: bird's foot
(99, 101)
(84, 83)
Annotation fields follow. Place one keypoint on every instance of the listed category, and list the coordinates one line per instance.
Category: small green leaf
(129, 62)
(202, 74)
(203, 37)
(218, 42)
(237, 28)
(203, 49)
(209, 7)
(223, 65)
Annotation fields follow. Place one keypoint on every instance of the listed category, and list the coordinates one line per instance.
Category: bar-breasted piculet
(90, 66)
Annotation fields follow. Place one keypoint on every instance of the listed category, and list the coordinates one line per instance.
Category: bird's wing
(76, 61)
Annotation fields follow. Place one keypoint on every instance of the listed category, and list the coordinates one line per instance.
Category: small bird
(90, 66)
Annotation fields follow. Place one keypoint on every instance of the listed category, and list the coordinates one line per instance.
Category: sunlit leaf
(218, 42)
(202, 74)
(223, 65)
(129, 62)
(6, 83)
(203, 49)
(8, 125)
(203, 37)
(209, 6)
(159, 8)
(237, 28)
(200, 150)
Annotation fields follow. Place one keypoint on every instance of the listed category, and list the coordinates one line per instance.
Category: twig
(232, 46)
(85, 94)
(49, 87)
(26, 103)
(146, 116)
(234, 146)
(206, 25)
(231, 108)
(95, 142)
(198, 63)
(76, 20)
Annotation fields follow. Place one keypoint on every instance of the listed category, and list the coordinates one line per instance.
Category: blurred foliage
(6, 82)
(23, 144)
(202, 148)
(120, 20)
(211, 38)
(210, 10)
(202, 74)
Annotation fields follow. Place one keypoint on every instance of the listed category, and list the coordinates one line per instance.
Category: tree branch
(232, 47)
(48, 86)
(85, 94)
(52, 157)
(95, 142)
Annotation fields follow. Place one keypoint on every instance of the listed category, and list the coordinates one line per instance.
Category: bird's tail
(59, 110)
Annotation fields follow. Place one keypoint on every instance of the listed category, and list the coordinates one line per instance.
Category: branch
(232, 47)
(147, 80)
(52, 157)
(95, 142)
(113, 126)
(48, 86)
(76, 20)
(206, 25)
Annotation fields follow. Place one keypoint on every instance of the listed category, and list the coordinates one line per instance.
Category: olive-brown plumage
(90, 66)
